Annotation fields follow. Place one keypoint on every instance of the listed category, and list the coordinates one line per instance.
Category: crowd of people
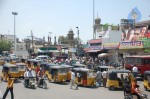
(101, 76)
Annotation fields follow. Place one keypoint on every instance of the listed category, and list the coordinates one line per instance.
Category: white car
(42, 57)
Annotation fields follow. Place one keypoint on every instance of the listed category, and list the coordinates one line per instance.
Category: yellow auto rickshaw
(9, 69)
(23, 60)
(146, 81)
(2, 61)
(46, 66)
(68, 67)
(104, 68)
(32, 63)
(117, 78)
(84, 77)
(13, 60)
(21, 68)
(57, 74)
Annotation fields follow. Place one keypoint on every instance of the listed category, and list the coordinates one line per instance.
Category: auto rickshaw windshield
(90, 73)
(22, 67)
(62, 70)
(13, 69)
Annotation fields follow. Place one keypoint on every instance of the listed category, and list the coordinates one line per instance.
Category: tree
(63, 40)
(114, 27)
(5, 46)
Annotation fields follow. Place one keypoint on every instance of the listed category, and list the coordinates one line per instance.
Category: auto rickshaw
(68, 67)
(57, 74)
(146, 81)
(46, 66)
(12, 60)
(9, 69)
(104, 68)
(21, 68)
(117, 78)
(32, 63)
(2, 61)
(23, 60)
(84, 77)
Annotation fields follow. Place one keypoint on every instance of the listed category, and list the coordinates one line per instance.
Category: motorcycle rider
(40, 76)
(27, 75)
(26, 79)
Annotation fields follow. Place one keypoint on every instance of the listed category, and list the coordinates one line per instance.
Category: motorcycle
(30, 82)
(42, 83)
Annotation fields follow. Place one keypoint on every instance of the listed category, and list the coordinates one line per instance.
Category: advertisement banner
(131, 45)
(133, 35)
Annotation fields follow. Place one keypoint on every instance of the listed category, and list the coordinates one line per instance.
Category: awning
(48, 51)
(94, 51)
(104, 54)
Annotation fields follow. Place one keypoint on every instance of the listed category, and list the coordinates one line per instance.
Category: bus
(142, 62)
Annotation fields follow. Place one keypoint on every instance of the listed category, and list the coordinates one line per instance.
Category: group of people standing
(101, 76)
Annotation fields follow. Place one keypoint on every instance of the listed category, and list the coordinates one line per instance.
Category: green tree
(5, 46)
(63, 40)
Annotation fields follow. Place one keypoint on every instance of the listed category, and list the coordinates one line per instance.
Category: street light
(14, 13)
(78, 41)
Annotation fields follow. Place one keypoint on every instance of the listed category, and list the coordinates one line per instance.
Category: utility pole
(93, 19)
(14, 13)
(32, 40)
(78, 41)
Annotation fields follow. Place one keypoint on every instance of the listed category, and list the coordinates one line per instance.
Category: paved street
(59, 91)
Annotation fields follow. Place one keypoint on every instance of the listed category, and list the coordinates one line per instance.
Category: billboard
(133, 35)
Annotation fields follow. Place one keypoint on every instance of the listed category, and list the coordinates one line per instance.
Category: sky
(58, 16)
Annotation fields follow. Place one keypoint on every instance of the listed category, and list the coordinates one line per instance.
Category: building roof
(143, 23)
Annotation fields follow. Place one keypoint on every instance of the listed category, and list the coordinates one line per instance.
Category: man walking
(98, 78)
(72, 81)
(104, 75)
(10, 82)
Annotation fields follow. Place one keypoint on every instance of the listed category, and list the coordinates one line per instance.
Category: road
(60, 91)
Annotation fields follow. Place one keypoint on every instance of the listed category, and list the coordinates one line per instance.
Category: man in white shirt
(135, 71)
(104, 75)
(72, 81)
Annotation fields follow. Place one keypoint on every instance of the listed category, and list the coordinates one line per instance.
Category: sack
(97, 85)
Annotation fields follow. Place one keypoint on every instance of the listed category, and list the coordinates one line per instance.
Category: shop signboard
(131, 45)
(147, 50)
(146, 42)
(72, 50)
(95, 47)
(111, 45)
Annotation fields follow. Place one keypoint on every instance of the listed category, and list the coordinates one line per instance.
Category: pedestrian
(72, 81)
(135, 71)
(10, 82)
(98, 78)
(104, 75)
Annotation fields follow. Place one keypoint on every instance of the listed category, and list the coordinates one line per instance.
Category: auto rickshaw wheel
(111, 88)
(145, 88)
